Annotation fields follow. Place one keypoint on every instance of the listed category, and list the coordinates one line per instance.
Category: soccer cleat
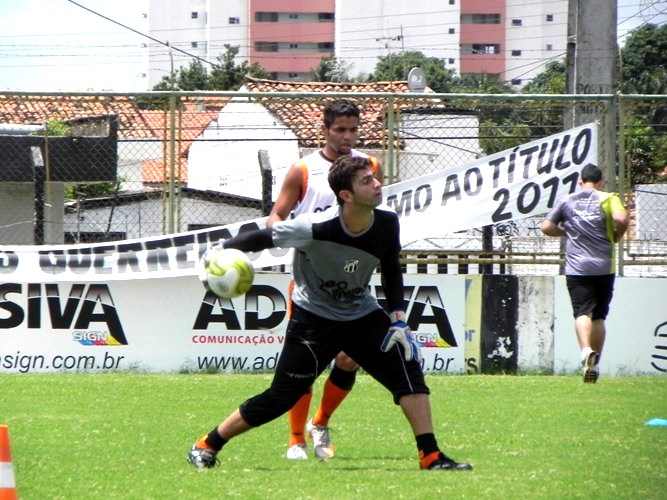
(202, 457)
(322, 445)
(297, 452)
(591, 369)
(443, 462)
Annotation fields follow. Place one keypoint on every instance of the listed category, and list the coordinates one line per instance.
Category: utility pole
(592, 69)
(387, 45)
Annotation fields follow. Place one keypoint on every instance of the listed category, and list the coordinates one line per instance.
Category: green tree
(225, 75)
(646, 152)
(395, 67)
(191, 77)
(644, 61)
(331, 69)
(644, 71)
(496, 126)
(550, 81)
(480, 83)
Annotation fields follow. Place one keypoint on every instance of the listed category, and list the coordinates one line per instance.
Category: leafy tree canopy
(225, 75)
(644, 61)
(331, 69)
(550, 81)
(395, 67)
(481, 83)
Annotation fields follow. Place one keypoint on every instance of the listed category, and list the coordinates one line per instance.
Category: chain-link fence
(102, 167)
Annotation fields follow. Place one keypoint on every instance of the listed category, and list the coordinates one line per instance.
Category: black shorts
(312, 342)
(591, 294)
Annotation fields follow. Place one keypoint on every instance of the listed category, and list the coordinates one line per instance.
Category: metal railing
(121, 166)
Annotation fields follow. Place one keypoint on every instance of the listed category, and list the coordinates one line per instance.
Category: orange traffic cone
(7, 483)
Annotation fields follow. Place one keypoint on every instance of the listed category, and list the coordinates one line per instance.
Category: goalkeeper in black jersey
(336, 254)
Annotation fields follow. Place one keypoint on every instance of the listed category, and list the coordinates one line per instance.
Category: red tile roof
(133, 122)
(304, 116)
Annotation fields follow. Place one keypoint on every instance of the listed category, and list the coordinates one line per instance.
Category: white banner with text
(521, 182)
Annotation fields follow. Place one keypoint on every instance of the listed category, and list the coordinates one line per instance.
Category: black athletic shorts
(312, 342)
(591, 294)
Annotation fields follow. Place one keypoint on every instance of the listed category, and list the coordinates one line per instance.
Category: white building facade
(513, 39)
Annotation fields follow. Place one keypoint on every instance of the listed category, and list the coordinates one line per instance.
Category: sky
(56, 45)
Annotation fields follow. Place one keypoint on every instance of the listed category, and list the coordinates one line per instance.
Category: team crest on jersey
(351, 266)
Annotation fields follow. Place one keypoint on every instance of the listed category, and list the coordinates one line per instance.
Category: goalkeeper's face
(366, 189)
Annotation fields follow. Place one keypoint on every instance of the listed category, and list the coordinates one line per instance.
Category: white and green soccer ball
(226, 272)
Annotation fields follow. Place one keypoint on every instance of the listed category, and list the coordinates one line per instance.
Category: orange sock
(332, 397)
(201, 442)
(298, 416)
(426, 461)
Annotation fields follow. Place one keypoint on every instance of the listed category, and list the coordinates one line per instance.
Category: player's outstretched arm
(251, 241)
(290, 194)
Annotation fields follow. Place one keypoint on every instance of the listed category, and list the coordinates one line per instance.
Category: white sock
(585, 352)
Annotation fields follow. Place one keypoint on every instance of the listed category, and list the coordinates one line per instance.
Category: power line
(166, 44)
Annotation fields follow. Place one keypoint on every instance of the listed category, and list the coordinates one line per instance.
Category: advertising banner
(173, 324)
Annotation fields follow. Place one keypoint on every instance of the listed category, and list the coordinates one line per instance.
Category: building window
(293, 45)
(292, 75)
(325, 17)
(549, 47)
(550, 18)
(480, 19)
(516, 52)
(451, 60)
(325, 47)
(266, 17)
(452, 2)
(480, 48)
(193, 45)
(194, 15)
(234, 20)
(293, 16)
(266, 46)
(516, 22)
(452, 31)
(516, 81)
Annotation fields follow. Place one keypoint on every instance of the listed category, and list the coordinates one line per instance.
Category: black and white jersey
(333, 267)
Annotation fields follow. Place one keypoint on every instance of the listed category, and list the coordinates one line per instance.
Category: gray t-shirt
(586, 217)
(333, 267)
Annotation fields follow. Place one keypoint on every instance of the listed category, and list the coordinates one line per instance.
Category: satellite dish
(416, 80)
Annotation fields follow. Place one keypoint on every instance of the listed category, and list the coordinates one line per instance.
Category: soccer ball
(226, 272)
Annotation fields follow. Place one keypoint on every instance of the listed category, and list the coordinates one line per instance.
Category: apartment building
(510, 38)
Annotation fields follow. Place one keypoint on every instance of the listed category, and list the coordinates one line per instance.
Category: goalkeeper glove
(400, 333)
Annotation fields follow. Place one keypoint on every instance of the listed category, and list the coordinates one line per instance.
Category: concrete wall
(525, 324)
(18, 211)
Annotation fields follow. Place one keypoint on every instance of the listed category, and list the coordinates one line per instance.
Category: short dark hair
(591, 173)
(340, 107)
(342, 172)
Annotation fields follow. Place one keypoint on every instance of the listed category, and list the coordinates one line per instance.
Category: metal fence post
(39, 177)
(171, 221)
(391, 166)
(620, 146)
(267, 180)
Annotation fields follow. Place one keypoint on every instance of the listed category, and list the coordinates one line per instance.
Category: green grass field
(126, 436)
